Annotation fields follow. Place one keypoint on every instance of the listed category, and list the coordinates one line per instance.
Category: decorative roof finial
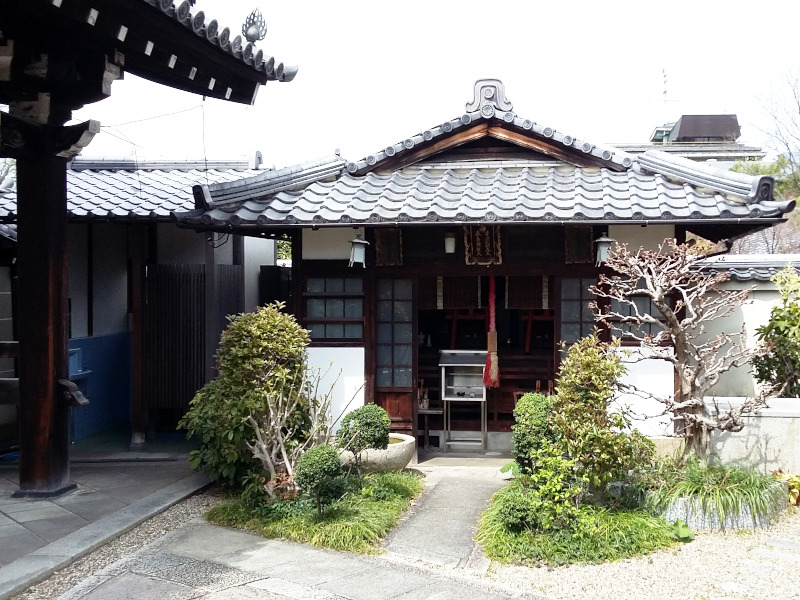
(490, 92)
(254, 28)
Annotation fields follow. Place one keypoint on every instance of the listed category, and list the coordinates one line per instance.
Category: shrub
(319, 475)
(531, 429)
(598, 440)
(261, 354)
(365, 427)
(778, 366)
(548, 499)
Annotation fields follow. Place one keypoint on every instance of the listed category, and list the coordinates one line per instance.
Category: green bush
(261, 354)
(319, 475)
(778, 367)
(547, 499)
(598, 440)
(365, 427)
(531, 429)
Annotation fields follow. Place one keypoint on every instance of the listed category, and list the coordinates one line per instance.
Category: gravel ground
(128, 543)
(715, 566)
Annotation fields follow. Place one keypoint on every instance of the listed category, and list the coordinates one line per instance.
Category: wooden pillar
(211, 329)
(42, 312)
(137, 240)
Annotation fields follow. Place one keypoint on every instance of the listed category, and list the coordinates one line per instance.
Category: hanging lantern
(449, 242)
(358, 251)
(603, 244)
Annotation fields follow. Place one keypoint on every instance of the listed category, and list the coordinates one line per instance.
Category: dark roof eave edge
(184, 224)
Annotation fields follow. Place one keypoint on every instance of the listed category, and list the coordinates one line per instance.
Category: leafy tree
(778, 366)
(262, 369)
(699, 359)
(596, 437)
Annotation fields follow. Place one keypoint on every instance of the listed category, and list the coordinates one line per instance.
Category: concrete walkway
(40, 536)
(428, 555)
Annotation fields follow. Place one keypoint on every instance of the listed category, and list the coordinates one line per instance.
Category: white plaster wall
(110, 279)
(330, 243)
(654, 377)
(77, 280)
(739, 381)
(770, 439)
(636, 236)
(346, 364)
(257, 252)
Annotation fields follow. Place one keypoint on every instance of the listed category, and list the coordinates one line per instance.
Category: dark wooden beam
(137, 241)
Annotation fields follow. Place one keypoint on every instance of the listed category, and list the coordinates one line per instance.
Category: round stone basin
(395, 457)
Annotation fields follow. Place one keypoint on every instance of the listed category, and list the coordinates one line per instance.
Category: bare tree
(683, 301)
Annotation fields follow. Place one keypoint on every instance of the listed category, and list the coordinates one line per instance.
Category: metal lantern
(358, 251)
(603, 244)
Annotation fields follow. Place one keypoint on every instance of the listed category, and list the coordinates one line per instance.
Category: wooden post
(211, 329)
(137, 240)
(42, 254)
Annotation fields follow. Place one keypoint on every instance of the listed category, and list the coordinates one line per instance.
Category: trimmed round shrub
(319, 475)
(261, 354)
(365, 427)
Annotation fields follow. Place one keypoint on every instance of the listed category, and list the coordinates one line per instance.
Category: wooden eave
(143, 39)
(493, 128)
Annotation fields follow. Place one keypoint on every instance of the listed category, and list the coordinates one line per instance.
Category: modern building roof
(565, 180)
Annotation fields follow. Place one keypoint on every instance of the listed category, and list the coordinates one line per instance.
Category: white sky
(373, 73)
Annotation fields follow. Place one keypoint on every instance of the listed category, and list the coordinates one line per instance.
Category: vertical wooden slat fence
(174, 339)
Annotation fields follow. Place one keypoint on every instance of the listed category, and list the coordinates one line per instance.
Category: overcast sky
(373, 73)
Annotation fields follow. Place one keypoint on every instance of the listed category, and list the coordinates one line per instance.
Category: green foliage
(723, 490)
(607, 535)
(319, 475)
(778, 366)
(547, 499)
(598, 440)
(261, 354)
(531, 429)
(365, 427)
(682, 532)
(356, 523)
(283, 249)
(781, 170)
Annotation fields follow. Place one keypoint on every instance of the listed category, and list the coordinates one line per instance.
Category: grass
(615, 534)
(356, 523)
(717, 489)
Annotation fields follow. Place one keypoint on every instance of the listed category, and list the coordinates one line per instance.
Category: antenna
(664, 75)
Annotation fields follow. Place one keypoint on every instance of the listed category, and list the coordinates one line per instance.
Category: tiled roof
(125, 190)
(404, 183)
(486, 193)
(750, 267)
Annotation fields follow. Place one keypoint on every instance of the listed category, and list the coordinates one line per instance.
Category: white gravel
(715, 566)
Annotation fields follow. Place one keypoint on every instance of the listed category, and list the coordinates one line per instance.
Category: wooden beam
(550, 148)
(137, 241)
(423, 151)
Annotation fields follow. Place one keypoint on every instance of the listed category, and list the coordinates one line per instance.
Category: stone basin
(395, 457)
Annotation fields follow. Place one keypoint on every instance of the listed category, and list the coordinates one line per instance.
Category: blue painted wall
(102, 370)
